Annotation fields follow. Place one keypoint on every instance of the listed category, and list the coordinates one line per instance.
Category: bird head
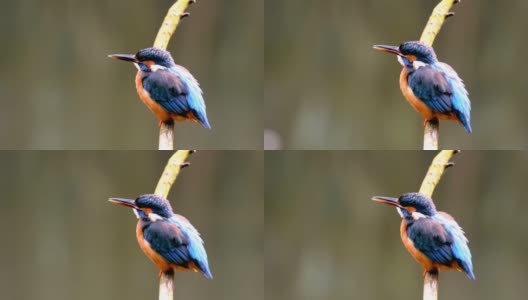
(148, 206)
(411, 53)
(410, 205)
(148, 59)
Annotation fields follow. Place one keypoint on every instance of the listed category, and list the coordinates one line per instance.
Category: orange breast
(426, 263)
(159, 111)
(416, 103)
(157, 259)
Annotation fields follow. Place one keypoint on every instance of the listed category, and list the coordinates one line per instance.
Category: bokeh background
(59, 90)
(62, 239)
(326, 88)
(325, 238)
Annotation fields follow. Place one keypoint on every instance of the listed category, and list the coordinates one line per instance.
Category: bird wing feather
(460, 98)
(168, 241)
(459, 245)
(431, 238)
(167, 90)
(431, 86)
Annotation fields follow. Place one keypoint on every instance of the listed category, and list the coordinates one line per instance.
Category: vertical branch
(171, 171)
(431, 286)
(436, 20)
(166, 136)
(434, 24)
(175, 14)
(434, 173)
(166, 286)
(431, 135)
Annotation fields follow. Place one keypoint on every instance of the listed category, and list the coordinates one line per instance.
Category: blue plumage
(177, 91)
(168, 239)
(459, 95)
(459, 244)
(194, 93)
(425, 80)
(433, 238)
(195, 246)
(169, 90)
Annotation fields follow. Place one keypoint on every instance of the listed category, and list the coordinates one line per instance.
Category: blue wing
(176, 93)
(430, 237)
(167, 240)
(173, 244)
(460, 99)
(459, 243)
(440, 88)
(195, 246)
(195, 97)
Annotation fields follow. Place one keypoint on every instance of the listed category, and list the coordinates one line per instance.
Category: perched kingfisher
(432, 88)
(170, 91)
(169, 240)
(432, 237)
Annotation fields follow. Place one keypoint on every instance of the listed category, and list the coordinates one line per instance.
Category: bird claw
(433, 121)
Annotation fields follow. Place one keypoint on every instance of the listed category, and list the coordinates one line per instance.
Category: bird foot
(433, 121)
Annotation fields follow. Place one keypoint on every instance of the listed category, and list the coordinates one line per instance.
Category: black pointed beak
(125, 57)
(387, 200)
(389, 49)
(124, 202)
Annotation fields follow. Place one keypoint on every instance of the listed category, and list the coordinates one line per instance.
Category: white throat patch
(417, 64)
(155, 68)
(136, 65)
(400, 60)
(417, 215)
(154, 217)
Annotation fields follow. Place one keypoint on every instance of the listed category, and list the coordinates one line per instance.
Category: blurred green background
(326, 88)
(325, 238)
(59, 90)
(62, 239)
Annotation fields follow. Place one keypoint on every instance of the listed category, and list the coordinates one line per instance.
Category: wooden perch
(171, 171)
(175, 14)
(434, 173)
(436, 20)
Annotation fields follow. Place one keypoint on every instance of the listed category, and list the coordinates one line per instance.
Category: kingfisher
(432, 88)
(170, 91)
(433, 238)
(169, 240)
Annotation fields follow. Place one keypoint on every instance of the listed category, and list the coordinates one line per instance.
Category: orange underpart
(159, 111)
(157, 259)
